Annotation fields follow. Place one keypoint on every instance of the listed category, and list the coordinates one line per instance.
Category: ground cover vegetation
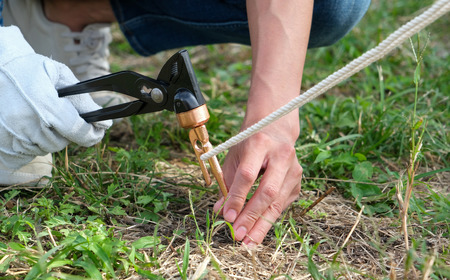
(375, 148)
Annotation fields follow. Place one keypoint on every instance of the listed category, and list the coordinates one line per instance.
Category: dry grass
(355, 246)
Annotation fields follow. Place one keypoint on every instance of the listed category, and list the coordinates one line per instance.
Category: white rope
(438, 9)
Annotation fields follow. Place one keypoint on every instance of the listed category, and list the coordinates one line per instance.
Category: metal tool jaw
(175, 89)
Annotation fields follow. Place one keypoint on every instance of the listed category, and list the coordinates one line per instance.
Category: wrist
(268, 97)
(287, 128)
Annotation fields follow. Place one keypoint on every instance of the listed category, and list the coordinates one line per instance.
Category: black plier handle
(176, 89)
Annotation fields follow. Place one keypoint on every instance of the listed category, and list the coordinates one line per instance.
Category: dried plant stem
(317, 201)
(358, 218)
(353, 228)
(404, 209)
(392, 273)
(428, 267)
(66, 159)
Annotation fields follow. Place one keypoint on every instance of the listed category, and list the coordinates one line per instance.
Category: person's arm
(279, 32)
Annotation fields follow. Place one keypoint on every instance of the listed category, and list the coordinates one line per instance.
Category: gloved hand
(33, 119)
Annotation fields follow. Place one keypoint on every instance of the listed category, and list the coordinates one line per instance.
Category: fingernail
(240, 233)
(230, 215)
(250, 245)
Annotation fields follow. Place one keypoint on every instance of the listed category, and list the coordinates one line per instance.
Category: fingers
(266, 196)
(245, 176)
(262, 211)
(279, 186)
(268, 218)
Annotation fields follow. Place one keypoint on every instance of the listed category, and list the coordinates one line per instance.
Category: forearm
(279, 32)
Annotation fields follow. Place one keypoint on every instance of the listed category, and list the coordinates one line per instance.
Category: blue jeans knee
(151, 26)
(333, 19)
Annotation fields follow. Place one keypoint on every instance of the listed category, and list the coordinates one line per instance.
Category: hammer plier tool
(175, 89)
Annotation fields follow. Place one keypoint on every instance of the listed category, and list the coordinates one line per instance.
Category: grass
(135, 206)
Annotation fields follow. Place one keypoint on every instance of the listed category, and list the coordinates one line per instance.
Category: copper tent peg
(200, 142)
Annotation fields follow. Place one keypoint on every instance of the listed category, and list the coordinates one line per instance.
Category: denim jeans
(151, 26)
(1, 10)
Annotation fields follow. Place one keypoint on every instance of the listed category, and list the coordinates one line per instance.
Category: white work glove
(34, 121)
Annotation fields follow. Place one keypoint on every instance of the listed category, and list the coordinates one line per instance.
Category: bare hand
(272, 156)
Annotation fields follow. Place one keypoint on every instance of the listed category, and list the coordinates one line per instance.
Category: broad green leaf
(112, 188)
(344, 158)
(55, 221)
(146, 242)
(363, 171)
(146, 216)
(101, 254)
(94, 209)
(377, 208)
(346, 121)
(42, 264)
(322, 156)
(58, 263)
(144, 199)
(148, 274)
(63, 276)
(132, 255)
(360, 157)
(159, 206)
(125, 263)
(11, 194)
(90, 268)
(117, 210)
(364, 190)
(16, 246)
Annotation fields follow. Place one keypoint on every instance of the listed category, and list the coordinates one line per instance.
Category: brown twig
(325, 194)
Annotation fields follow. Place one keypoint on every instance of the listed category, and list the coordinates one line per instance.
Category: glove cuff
(12, 44)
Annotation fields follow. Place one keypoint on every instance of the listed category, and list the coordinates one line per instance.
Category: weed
(183, 270)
